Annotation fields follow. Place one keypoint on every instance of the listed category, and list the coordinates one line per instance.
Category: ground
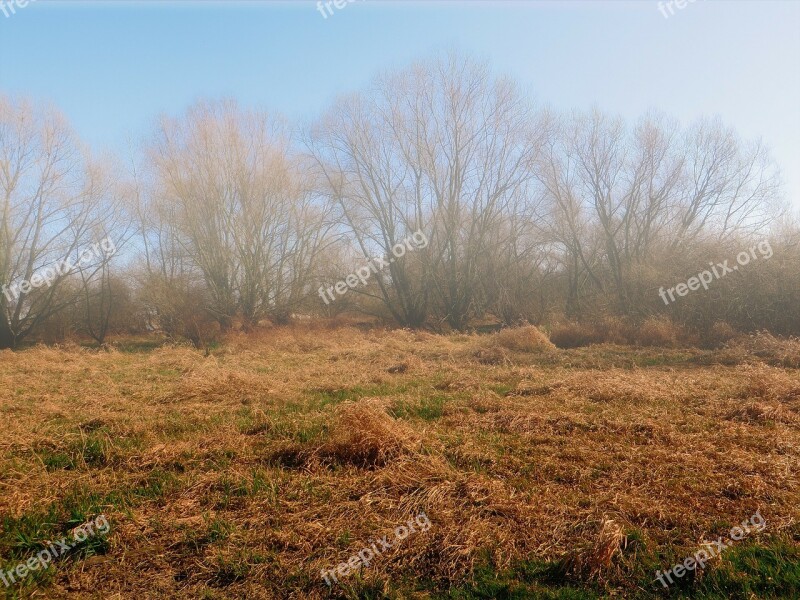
(244, 471)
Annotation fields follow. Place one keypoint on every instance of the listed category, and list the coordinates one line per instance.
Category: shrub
(719, 335)
(613, 330)
(658, 331)
(655, 331)
(573, 335)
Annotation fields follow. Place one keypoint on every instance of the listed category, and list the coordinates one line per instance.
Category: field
(244, 471)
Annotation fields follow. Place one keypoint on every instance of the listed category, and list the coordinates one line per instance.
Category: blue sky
(113, 67)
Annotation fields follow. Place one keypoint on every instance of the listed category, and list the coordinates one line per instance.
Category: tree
(53, 207)
(442, 147)
(235, 202)
(623, 199)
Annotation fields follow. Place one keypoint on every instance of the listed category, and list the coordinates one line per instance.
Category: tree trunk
(7, 337)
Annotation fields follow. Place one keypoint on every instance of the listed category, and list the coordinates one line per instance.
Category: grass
(546, 473)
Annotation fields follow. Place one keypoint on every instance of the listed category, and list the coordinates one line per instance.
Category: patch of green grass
(219, 530)
(428, 408)
(344, 539)
(155, 486)
(56, 461)
(168, 373)
(528, 580)
(260, 483)
(231, 491)
(754, 571)
(194, 539)
(324, 396)
(321, 397)
(250, 422)
(311, 432)
(34, 529)
(23, 538)
(228, 570)
(502, 389)
(92, 451)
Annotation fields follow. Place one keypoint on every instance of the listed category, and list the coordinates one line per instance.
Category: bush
(658, 331)
(655, 331)
(613, 330)
(719, 335)
(522, 339)
(573, 335)
(177, 309)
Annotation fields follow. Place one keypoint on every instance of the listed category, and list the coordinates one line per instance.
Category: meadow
(245, 470)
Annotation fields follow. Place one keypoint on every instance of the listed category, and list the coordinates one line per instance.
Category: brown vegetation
(244, 472)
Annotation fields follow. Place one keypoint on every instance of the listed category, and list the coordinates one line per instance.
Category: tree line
(227, 217)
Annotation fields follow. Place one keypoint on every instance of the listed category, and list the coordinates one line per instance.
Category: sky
(113, 67)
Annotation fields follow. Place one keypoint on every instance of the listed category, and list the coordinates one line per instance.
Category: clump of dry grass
(720, 334)
(471, 514)
(604, 330)
(760, 412)
(208, 382)
(361, 434)
(522, 339)
(762, 382)
(492, 355)
(617, 386)
(365, 435)
(496, 349)
(573, 335)
(592, 560)
(763, 346)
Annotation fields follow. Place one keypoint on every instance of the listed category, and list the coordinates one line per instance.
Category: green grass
(754, 571)
(319, 398)
(229, 570)
(427, 408)
(530, 579)
(92, 451)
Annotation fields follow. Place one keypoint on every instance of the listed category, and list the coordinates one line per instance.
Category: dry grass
(597, 558)
(761, 347)
(522, 339)
(244, 473)
(654, 331)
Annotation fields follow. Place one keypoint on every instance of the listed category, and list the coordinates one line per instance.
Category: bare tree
(444, 147)
(622, 198)
(237, 204)
(55, 202)
(520, 210)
